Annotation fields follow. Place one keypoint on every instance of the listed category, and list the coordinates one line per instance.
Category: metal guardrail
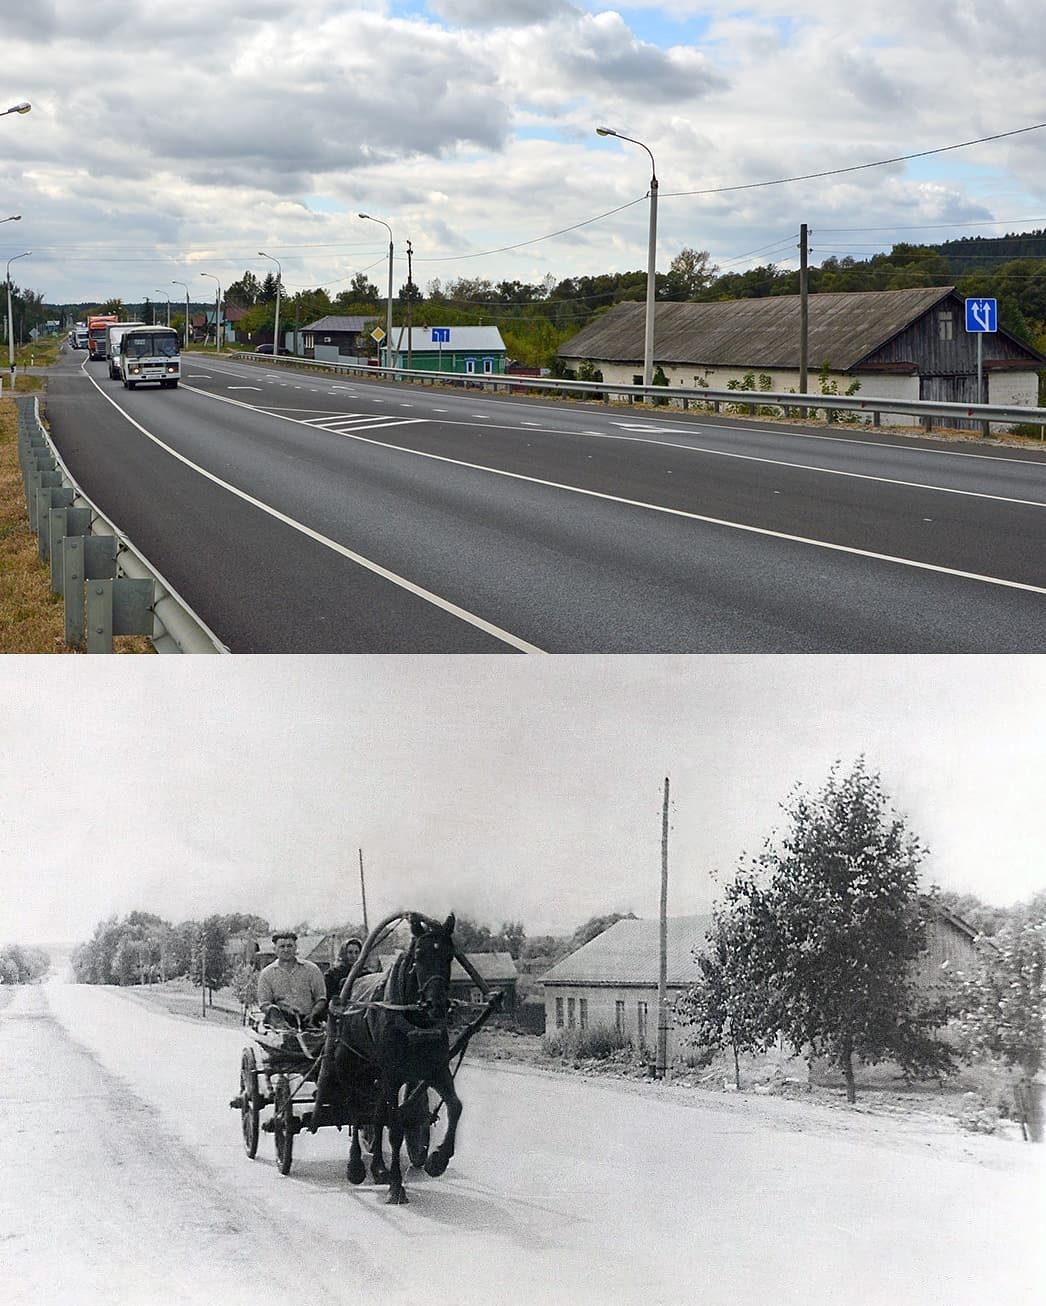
(658, 395)
(108, 587)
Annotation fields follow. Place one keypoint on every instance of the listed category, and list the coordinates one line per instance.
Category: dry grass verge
(32, 619)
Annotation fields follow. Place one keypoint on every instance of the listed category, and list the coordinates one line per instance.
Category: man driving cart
(291, 992)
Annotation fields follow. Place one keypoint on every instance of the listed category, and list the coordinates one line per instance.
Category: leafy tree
(832, 919)
(511, 938)
(1003, 1007)
(689, 273)
(470, 936)
(595, 926)
(362, 290)
(244, 292)
(20, 964)
(727, 1007)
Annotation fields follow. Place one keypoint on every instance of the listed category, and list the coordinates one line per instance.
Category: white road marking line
(470, 618)
(671, 512)
(244, 387)
(830, 471)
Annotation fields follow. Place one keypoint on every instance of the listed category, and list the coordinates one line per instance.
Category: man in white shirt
(290, 986)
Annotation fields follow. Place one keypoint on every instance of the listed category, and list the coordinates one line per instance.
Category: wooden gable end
(937, 343)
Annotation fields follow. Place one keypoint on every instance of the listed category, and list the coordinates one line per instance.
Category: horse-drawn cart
(383, 1055)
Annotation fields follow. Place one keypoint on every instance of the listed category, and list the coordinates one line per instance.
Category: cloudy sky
(165, 144)
(505, 788)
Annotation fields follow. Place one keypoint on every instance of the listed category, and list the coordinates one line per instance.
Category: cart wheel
(417, 1132)
(250, 1101)
(283, 1124)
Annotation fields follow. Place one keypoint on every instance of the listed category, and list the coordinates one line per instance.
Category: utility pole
(410, 302)
(363, 895)
(804, 308)
(661, 1066)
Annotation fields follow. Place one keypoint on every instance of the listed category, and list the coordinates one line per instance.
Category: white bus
(113, 332)
(149, 353)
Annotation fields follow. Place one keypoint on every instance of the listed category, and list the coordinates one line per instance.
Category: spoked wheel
(250, 1101)
(416, 1134)
(283, 1124)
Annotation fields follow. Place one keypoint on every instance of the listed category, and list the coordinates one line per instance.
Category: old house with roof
(463, 350)
(338, 338)
(611, 981)
(890, 344)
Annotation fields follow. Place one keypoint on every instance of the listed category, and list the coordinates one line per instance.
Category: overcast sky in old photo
(502, 788)
(164, 146)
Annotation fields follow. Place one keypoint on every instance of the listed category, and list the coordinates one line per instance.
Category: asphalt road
(302, 513)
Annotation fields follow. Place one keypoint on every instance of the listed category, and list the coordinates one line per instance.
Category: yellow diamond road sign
(378, 334)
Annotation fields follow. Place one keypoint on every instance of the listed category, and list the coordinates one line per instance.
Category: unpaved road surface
(125, 1183)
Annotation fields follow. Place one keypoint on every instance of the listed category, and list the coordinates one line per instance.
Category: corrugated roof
(627, 953)
(462, 338)
(335, 323)
(843, 328)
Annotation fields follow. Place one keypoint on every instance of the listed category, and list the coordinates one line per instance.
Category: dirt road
(126, 1182)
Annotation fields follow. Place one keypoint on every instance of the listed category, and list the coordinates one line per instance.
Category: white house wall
(602, 1010)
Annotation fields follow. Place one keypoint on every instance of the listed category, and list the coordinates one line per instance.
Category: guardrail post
(47, 498)
(117, 607)
(37, 481)
(73, 588)
(63, 522)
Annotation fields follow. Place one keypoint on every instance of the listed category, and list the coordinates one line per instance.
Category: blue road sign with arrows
(441, 335)
(981, 315)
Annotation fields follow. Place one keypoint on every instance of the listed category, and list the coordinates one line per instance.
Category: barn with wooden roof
(889, 344)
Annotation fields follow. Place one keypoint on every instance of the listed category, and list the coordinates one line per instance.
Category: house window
(488, 365)
(582, 1013)
(571, 1013)
(470, 364)
(641, 1014)
(619, 1017)
(559, 1013)
(946, 326)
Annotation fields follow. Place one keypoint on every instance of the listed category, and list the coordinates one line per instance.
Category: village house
(883, 344)
(611, 981)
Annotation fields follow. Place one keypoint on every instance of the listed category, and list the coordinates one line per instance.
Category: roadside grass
(32, 619)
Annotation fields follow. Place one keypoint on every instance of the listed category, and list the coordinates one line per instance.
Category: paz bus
(149, 353)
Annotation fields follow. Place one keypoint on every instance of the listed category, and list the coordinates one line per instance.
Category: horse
(394, 1028)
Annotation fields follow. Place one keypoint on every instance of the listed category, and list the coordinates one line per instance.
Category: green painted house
(465, 350)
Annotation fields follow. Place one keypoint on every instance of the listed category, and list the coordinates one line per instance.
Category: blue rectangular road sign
(981, 315)
(441, 335)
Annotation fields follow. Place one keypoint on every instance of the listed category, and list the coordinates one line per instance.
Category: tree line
(20, 964)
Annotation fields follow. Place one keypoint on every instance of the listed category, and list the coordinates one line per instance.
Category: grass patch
(32, 619)
(597, 1043)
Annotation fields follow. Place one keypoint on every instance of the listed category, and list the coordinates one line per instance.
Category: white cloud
(145, 151)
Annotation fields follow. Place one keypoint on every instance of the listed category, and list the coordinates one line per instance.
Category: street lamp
(388, 325)
(651, 264)
(158, 291)
(24, 107)
(217, 311)
(186, 289)
(17, 217)
(10, 319)
(279, 281)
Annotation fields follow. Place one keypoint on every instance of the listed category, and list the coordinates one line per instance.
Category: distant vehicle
(267, 349)
(149, 353)
(96, 329)
(113, 332)
(80, 337)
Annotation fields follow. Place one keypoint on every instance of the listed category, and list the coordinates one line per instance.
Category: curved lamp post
(158, 291)
(217, 312)
(10, 319)
(388, 323)
(279, 282)
(24, 107)
(651, 265)
(186, 289)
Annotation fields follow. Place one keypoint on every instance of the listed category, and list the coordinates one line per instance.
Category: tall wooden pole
(363, 896)
(661, 1066)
